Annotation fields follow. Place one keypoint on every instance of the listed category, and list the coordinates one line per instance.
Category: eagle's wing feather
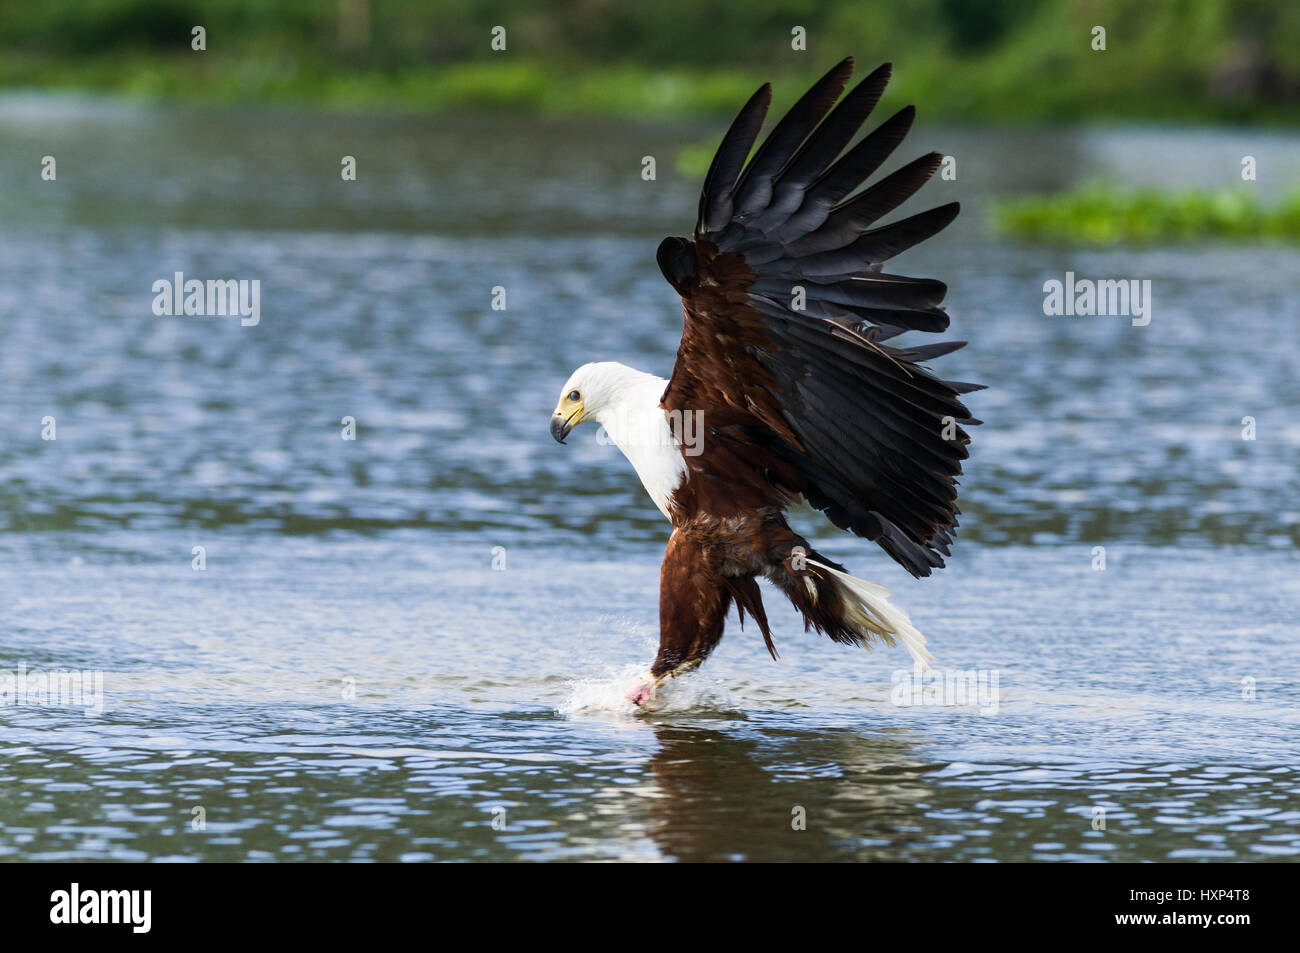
(787, 311)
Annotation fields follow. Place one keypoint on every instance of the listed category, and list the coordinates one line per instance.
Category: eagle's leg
(693, 602)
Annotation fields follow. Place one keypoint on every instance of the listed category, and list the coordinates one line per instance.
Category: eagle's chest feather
(640, 428)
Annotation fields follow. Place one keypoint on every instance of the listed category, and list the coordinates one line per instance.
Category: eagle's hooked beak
(570, 412)
(560, 427)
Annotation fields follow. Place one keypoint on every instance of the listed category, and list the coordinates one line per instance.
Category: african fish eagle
(783, 364)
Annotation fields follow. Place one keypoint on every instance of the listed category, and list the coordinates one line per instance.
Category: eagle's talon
(641, 693)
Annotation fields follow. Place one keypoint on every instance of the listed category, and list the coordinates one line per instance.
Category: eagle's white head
(625, 402)
(598, 392)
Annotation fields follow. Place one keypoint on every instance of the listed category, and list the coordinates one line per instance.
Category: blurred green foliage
(976, 59)
(1103, 214)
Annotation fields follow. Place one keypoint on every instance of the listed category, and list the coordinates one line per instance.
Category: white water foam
(608, 694)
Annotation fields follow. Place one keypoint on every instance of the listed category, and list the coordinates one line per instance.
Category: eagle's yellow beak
(567, 415)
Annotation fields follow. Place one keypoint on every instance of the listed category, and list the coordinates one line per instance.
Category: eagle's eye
(574, 395)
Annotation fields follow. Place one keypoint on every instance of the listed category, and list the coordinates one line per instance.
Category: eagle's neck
(639, 427)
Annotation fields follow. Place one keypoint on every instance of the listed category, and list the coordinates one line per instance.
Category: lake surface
(413, 645)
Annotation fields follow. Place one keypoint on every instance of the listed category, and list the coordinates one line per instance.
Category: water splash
(608, 694)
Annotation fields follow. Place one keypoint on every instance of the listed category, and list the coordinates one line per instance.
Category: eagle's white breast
(638, 426)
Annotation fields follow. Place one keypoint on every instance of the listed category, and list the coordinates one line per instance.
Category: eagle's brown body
(783, 358)
(710, 563)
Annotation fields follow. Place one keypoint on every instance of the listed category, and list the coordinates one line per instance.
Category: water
(350, 677)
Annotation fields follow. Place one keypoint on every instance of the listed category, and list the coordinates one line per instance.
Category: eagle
(784, 389)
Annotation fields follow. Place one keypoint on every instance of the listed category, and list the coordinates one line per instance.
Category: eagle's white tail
(867, 609)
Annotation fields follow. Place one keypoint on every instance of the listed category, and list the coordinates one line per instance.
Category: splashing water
(693, 692)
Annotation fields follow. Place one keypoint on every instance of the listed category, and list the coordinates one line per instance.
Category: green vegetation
(1102, 214)
(969, 59)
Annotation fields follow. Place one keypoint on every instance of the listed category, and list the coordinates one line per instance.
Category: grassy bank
(1028, 60)
(1102, 214)
(516, 85)
(534, 86)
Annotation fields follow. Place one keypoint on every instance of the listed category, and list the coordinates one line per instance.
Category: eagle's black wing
(787, 311)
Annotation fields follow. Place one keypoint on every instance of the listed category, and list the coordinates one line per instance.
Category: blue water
(414, 645)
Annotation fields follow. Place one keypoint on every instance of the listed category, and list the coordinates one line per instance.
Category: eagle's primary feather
(784, 361)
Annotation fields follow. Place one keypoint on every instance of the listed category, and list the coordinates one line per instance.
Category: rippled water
(413, 645)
